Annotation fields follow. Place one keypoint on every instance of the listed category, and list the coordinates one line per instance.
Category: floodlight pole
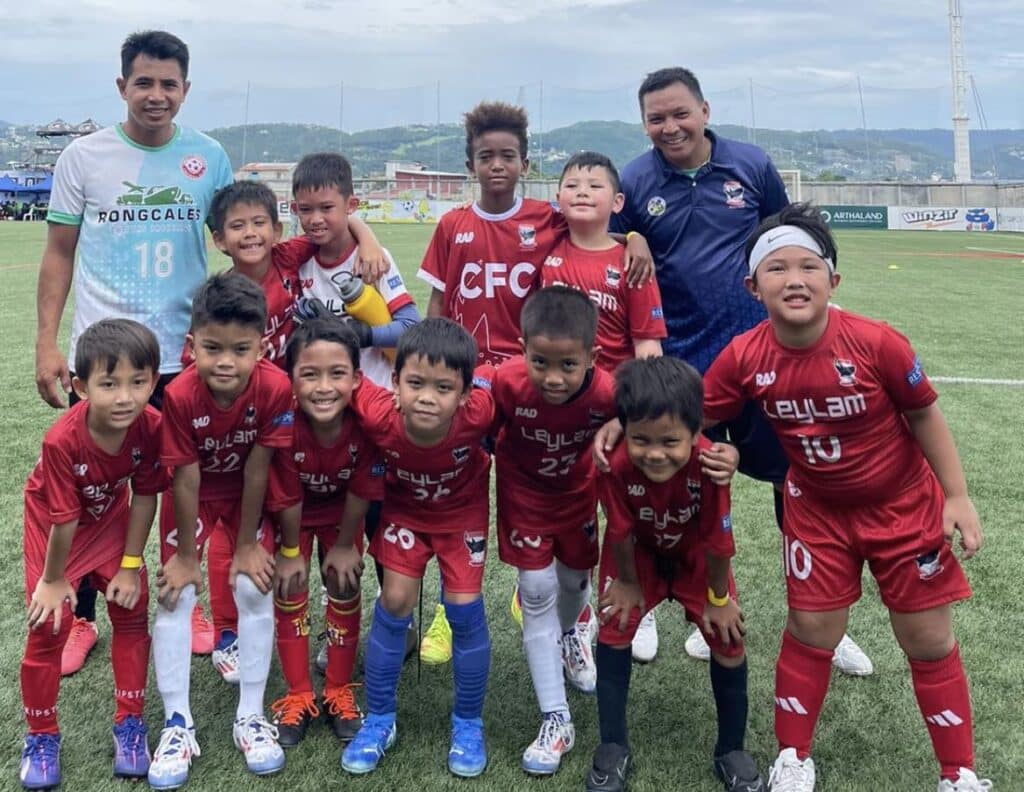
(961, 134)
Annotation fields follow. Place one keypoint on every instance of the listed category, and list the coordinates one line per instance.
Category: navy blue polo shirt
(697, 229)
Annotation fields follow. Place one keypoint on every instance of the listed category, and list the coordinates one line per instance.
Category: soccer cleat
(40, 761)
(516, 607)
(202, 632)
(173, 755)
(225, 657)
(696, 646)
(610, 767)
(342, 712)
(436, 646)
(467, 755)
(368, 747)
(578, 662)
(966, 781)
(292, 716)
(645, 641)
(80, 643)
(790, 774)
(131, 751)
(557, 737)
(257, 740)
(850, 658)
(738, 771)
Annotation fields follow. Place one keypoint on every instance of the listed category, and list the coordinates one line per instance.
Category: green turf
(960, 308)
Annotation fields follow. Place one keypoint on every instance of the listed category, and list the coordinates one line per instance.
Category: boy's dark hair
(663, 78)
(439, 340)
(586, 160)
(333, 331)
(157, 44)
(108, 340)
(805, 216)
(496, 116)
(249, 191)
(649, 388)
(229, 298)
(559, 312)
(323, 171)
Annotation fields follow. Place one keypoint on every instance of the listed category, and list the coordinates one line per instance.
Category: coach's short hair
(439, 340)
(805, 216)
(229, 298)
(104, 343)
(249, 191)
(496, 117)
(332, 330)
(663, 78)
(648, 388)
(559, 312)
(585, 160)
(323, 171)
(157, 44)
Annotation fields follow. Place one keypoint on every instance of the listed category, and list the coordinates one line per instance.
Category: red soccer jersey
(544, 466)
(666, 518)
(837, 406)
(624, 314)
(281, 287)
(440, 489)
(321, 476)
(487, 265)
(196, 429)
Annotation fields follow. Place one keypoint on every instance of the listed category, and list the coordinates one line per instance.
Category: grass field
(957, 296)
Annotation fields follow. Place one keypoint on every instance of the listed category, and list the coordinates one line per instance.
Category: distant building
(414, 178)
(276, 175)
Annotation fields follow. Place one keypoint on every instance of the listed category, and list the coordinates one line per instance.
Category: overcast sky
(566, 60)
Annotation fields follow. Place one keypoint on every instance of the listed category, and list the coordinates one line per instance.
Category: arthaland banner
(942, 218)
(856, 216)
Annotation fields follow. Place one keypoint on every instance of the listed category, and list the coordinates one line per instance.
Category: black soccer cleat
(738, 772)
(612, 763)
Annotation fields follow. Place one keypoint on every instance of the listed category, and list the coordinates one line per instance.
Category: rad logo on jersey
(846, 370)
(476, 544)
(193, 166)
(656, 206)
(734, 194)
(527, 236)
(80, 470)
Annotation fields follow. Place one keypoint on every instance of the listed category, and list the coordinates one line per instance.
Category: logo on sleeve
(733, 194)
(727, 524)
(846, 371)
(193, 166)
(916, 375)
(527, 236)
(656, 206)
(657, 313)
(286, 418)
(394, 281)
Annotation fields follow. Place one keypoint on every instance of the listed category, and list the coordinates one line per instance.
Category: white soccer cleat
(967, 781)
(226, 662)
(790, 774)
(173, 755)
(578, 662)
(556, 738)
(257, 740)
(850, 658)
(645, 642)
(696, 646)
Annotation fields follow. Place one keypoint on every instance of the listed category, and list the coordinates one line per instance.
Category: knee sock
(129, 654)
(538, 593)
(573, 594)
(172, 654)
(385, 649)
(471, 656)
(779, 501)
(255, 645)
(729, 686)
(802, 674)
(945, 702)
(614, 668)
(86, 607)
(342, 620)
(292, 619)
(40, 674)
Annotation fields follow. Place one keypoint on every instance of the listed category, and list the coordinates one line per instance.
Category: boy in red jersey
(435, 504)
(668, 536)
(874, 476)
(80, 521)
(224, 416)
(323, 486)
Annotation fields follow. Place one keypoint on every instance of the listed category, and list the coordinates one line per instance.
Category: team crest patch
(794, 490)
(734, 194)
(193, 166)
(527, 236)
(136, 456)
(460, 454)
(353, 450)
(300, 456)
(590, 531)
(250, 414)
(928, 565)
(693, 487)
(612, 276)
(476, 544)
(656, 206)
(846, 371)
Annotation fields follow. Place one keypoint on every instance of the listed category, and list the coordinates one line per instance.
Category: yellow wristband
(631, 234)
(718, 602)
(289, 552)
(131, 562)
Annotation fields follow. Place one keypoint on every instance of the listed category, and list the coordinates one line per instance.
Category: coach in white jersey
(131, 201)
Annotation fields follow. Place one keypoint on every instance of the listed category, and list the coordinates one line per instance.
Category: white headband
(785, 236)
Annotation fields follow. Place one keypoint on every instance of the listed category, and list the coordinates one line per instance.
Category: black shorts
(761, 456)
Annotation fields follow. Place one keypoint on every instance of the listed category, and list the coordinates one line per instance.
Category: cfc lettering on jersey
(812, 410)
(484, 280)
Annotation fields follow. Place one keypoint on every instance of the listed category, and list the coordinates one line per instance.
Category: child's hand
(347, 565)
(719, 463)
(173, 576)
(960, 515)
(725, 620)
(639, 261)
(253, 561)
(604, 441)
(49, 598)
(620, 598)
(372, 263)
(290, 575)
(124, 588)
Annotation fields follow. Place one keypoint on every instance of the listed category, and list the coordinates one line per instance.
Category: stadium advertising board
(1010, 219)
(941, 218)
(852, 216)
(393, 210)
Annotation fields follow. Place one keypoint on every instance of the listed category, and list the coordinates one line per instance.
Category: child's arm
(344, 558)
(720, 462)
(250, 557)
(931, 431)
(53, 588)
(435, 305)
(646, 348)
(638, 261)
(371, 263)
(721, 612)
(182, 568)
(290, 569)
(623, 594)
(124, 588)
(605, 440)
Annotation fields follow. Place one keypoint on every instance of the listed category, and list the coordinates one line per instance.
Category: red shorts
(576, 547)
(213, 515)
(683, 579)
(825, 547)
(100, 574)
(92, 546)
(460, 556)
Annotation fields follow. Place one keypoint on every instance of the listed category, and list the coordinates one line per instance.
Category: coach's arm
(55, 274)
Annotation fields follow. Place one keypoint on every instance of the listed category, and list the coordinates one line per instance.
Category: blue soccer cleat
(40, 761)
(131, 751)
(467, 756)
(372, 741)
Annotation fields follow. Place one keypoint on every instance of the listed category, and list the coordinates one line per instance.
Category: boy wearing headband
(874, 477)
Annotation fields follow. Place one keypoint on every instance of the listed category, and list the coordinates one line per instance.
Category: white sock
(538, 593)
(255, 643)
(573, 594)
(172, 654)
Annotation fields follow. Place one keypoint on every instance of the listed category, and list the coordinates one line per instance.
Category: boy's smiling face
(248, 235)
(587, 195)
(659, 447)
(497, 162)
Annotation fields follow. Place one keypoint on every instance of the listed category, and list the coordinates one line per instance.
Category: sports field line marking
(1009, 383)
(997, 250)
